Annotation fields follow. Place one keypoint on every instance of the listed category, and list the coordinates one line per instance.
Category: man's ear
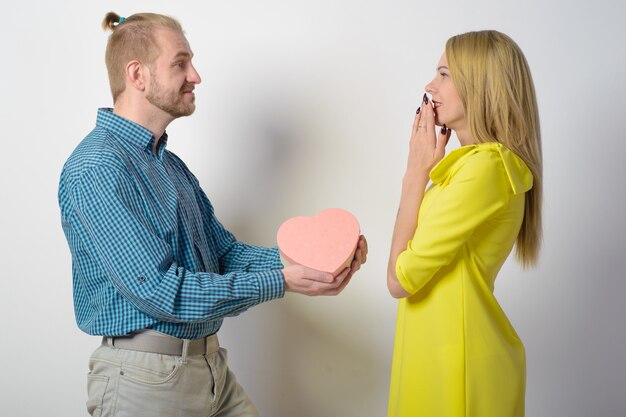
(135, 73)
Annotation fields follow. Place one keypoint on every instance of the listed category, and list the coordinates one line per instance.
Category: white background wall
(306, 105)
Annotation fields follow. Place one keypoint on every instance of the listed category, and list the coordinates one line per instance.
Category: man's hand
(307, 281)
(360, 256)
(311, 282)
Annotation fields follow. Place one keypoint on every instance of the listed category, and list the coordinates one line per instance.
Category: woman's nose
(430, 87)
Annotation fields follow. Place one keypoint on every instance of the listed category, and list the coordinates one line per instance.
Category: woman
(455, 353)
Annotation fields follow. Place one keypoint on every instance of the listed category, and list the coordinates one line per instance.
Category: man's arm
(113, 235)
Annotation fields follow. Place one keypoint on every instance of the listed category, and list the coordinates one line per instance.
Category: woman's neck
(464, 136)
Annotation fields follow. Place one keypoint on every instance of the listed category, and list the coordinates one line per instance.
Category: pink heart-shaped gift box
(326, 242)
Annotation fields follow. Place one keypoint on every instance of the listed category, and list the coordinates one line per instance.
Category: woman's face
(446, 101)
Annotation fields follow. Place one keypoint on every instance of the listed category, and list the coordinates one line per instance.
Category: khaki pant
(127, 383)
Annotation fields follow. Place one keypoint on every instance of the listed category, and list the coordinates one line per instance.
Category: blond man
(154, 271)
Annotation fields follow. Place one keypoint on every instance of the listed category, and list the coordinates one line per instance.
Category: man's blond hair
(132, 39)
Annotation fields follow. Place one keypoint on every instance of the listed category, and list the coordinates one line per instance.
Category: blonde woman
(456, 353)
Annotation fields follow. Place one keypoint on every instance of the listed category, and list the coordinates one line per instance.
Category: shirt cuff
(271, 285)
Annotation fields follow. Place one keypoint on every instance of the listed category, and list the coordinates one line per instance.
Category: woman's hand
(425, 148)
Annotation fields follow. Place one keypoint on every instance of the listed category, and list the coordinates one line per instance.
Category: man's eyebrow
(183, 54)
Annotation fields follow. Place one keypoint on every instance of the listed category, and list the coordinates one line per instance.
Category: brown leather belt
(155, 342)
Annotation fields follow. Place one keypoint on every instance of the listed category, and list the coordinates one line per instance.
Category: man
(154, 271)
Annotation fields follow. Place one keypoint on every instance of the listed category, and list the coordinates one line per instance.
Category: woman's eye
(443, 74)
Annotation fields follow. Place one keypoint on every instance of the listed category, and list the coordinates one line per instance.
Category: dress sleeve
(115, 232)
(468, 197)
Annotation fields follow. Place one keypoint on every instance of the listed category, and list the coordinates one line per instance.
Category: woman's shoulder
(484, 161)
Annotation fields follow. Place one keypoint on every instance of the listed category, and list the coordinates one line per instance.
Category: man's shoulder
(97, 148)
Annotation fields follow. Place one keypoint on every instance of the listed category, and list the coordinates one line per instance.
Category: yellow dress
(455, 352)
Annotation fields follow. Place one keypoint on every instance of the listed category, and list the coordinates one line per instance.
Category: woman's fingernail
(425, 98)
(418, 110)
(444, 130)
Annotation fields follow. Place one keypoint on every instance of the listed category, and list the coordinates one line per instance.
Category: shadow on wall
(298, 356)
(294, 362)
(265, 152)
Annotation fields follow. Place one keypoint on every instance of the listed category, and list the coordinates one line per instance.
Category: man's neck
(155, 122)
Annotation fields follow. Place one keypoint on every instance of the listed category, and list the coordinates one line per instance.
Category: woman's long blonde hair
(494, 83)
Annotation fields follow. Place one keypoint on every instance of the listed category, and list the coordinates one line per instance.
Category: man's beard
(170, 102)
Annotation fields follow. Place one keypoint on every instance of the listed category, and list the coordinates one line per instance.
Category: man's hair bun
(110, 21)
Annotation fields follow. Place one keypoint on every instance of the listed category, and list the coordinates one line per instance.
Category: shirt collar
(518, 173)
(129, 131)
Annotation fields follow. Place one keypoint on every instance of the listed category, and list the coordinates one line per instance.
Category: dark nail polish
(444, 130)
(418, 110)
(425, 98)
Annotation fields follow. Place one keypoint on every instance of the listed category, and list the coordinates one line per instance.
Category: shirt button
(141, 278)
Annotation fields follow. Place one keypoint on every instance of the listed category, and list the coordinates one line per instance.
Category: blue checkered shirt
(147, 250)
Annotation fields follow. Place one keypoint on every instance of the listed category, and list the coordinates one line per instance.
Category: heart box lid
(325, 242)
